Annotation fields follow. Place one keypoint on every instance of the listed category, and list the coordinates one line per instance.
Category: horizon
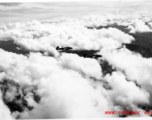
(27, 11)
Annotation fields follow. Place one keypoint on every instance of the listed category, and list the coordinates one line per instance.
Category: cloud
(135, 67)
(44, 36)
(42, 11)
(65, 85)
(5, 113)
(126, 93)
(139, 26)
(86, 66)
(73, 0)
(10, 4)
(70, 93)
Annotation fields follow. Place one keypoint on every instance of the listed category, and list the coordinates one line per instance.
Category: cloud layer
(48, 83)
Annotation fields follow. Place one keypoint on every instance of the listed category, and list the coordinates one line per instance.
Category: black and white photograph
(81, 59)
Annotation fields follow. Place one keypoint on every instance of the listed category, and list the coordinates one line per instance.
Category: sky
(62, 0)
(28, 11)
